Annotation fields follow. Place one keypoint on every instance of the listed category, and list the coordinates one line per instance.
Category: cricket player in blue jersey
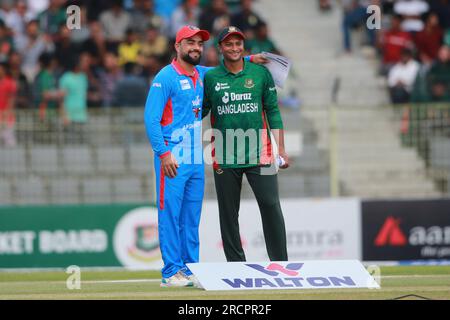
(173, 123)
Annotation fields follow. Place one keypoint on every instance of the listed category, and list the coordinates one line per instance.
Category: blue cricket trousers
(179, 202)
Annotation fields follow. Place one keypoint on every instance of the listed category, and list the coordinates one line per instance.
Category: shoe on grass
(177, 280)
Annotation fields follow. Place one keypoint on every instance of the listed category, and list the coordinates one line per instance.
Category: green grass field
(432, 282)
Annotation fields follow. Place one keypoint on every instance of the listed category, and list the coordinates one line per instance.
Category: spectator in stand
(115, 23)
(8, 89)
(392, 42)
(6, 42)
(79, 36)
(387, 7)
(155, 44)
(51, 18)
(152, 66)
(96, 8)
(439, 77)
(109, 77)
(186, 14)
(18, 18)
(211, 57)
(442, 8)
(402, 76)
(88, 67)
(355, 14)
(215, 17)
(37, 6)
(95, 45)
(24, 92)
(429, 40)
(246, 19)
(165, 9)
(447, 38)
(31, 47)
(131, 90)
(261, 42)
(129, 49)
(233, 5)
(143, 15)
(411, 11)
(46, 93)
(324, 5)
(74, 83)
(65, 50)
(6, 7)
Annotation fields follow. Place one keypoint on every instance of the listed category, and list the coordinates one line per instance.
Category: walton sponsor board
(332, 274)
(406, 230)
(316, 229)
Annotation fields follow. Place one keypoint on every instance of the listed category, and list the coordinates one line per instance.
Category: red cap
(190, 31)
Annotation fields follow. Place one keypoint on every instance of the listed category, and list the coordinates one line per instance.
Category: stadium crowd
(110, 60)
(413, 44)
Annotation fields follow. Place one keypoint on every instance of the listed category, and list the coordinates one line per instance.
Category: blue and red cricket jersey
(173, 115)
(173, 123)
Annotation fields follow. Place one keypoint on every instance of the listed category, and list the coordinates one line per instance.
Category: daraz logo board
(287, 277)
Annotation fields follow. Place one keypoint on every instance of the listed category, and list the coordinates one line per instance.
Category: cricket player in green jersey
(242, 99)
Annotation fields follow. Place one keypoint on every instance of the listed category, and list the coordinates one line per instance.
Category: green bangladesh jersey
(243, 107)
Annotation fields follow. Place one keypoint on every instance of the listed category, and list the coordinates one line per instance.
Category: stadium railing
(344, 151)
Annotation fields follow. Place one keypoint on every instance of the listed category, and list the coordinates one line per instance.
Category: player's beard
(194, 61)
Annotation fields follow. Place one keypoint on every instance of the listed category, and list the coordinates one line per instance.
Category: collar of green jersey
(228, 72)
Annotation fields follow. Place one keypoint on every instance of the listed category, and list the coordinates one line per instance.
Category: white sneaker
(177, 280)
(194, 281)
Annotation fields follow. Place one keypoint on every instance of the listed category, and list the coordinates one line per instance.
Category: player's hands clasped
(170, 166)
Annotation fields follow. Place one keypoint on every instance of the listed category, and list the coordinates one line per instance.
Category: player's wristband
(165, 154)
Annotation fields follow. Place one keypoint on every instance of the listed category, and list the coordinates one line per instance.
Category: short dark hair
(116, 3)
(72, 64)
(5, 67)
(129, 68)
(45, 59)
(407, 52)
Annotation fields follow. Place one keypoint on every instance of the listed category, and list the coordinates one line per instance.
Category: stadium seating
(64, 190)
(44, 160)
(31, 190)
(5, 192)
(13, 161)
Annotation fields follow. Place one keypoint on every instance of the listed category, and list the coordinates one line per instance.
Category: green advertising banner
(86, 236)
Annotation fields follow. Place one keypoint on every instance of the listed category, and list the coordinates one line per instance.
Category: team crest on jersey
(185, 85)
(249, 83)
